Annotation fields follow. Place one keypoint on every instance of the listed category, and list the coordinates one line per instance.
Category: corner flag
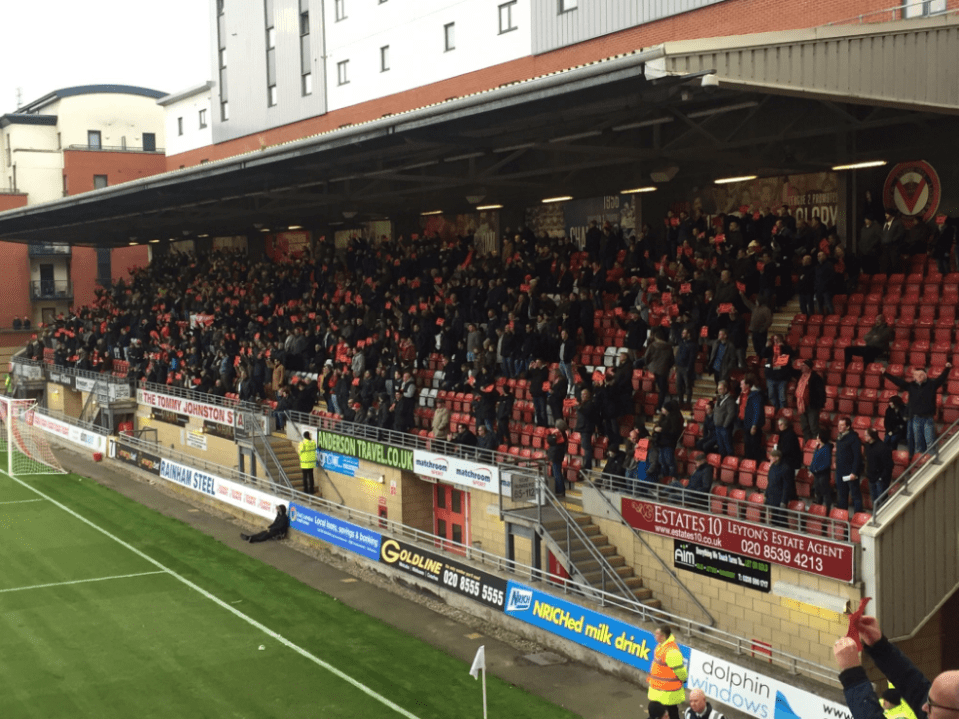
(479, 662)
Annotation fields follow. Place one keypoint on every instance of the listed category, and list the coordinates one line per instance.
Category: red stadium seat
(859, 519)
(735, 505)
(795, 520)
(839, 526)
(814, 522)
(756, 507)
(717, 501)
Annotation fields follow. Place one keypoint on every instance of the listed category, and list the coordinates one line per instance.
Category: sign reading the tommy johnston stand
(816, 555)
(365, 449)
(189, 408)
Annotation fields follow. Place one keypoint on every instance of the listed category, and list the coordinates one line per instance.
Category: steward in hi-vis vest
(307, 452)
(668, 673)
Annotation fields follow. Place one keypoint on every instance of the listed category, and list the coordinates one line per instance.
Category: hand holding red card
(854, 619)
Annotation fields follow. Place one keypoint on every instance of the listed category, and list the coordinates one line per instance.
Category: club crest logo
(914, 189)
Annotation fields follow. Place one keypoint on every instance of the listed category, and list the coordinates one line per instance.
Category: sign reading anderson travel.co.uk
(179, 405)
(816, 555)
(365, 449)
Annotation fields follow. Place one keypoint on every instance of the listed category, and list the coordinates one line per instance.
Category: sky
(163, 46)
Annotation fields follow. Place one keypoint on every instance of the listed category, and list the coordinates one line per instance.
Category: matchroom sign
(816, 555)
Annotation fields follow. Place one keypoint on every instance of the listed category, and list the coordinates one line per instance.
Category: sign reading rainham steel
(816, 555)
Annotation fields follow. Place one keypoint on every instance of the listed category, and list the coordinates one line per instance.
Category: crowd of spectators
(350, 329)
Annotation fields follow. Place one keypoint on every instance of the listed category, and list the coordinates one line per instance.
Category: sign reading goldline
(366, 449)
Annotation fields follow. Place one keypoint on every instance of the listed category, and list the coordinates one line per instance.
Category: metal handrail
(574, 531)
(892, 12)
(258, 438)
(495, 562)
(918, 461)
(588, 478)
(86, 426)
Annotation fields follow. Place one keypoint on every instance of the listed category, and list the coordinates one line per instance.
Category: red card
(704, 331)
(388, 305)
(356, 381)
(667, 298)
(439, 321)
(741, 286)
(312, 315)
(546, 386)
(941, 219)
(781, 361)
(674, 222)
(598, 376)
(642, 450)
(424, 306)
(618, 311)
(437, 280)
(725, 308)
(720, 238)
(853, 631)
(686, 288)
(470, 381)
(412, 309)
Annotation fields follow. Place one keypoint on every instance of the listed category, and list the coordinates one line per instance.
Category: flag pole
(479, 667)
(484, 691)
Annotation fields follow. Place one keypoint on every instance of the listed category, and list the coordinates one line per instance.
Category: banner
(105, 389)
(247, 498)
(756, 694)
(816, 555)
(188, 477)
(521, 487)
(725, 566)
(138, 458)
(339, 463)
(456, 471)
(445, 573)
(339, 532)
(365, 449)
(190, 408)
(90, 440)
(614, 209)
(606, 635)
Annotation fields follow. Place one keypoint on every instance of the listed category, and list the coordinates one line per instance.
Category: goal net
(25, 449)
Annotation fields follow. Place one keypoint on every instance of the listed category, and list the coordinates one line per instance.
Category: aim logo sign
(913, 188)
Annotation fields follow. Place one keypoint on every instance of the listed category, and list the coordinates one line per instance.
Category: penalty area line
(21, 501)
(233, 610)
(78, 581)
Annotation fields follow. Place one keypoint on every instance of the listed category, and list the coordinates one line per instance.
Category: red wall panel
(79, 167)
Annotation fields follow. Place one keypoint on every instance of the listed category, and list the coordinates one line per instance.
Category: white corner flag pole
(479, 665)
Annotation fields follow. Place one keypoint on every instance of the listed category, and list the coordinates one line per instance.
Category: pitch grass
(151, 646)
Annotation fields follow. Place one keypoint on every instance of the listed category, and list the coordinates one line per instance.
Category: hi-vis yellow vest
(667, 674)
(307, 450)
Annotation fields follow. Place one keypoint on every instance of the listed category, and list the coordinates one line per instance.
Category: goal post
(26, 448)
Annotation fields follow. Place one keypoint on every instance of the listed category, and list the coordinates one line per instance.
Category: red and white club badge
(914, 189)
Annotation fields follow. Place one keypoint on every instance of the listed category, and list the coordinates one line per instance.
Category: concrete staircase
(289, 460)
(580, 557)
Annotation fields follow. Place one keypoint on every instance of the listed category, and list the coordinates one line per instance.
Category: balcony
(117, 148)
(58, 290)
(50, 249)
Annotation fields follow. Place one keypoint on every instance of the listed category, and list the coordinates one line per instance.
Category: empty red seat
(919, 353)
(728, 470)
(756, 507)
(747, 472)
(814, 521)
(762, 476)
(866, 404)
(717, 501)
(847, 400)
(839, 524)
(796, 507)
(859, 519)
(897, 352)
(734, 506)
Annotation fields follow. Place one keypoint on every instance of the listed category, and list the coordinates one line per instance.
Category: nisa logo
(519, 600)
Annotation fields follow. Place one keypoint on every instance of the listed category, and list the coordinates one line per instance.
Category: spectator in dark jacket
(823, 283)
(848, 466)
(700, 481)
(659, 360)
(894, 422)
(668, 429)
(587, 416)
(788, 445)
(753, 415)
(819, 466)
(878, 466)
(807, 286)
(724, 416)
(777, 355)
(780, 479)
(686, 354)
(557, 444)
(921, 432)
(877, 339)
(810, 399)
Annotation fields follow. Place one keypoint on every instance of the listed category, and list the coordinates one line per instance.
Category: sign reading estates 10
(816, 555)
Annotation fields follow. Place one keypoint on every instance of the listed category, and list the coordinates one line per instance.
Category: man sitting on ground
(278, 529)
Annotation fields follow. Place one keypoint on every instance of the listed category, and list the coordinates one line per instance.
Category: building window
(149, 142)
(224, 111)
(306, 55)
(270, 54)
(567, 5)
(340, 9)
(342, 76)
(93, 139)
(222, 58)
(506, 22)
(384, 58)
(202, 118)
(99, 182)
(179, 126)
(449, 36)
(220, 6)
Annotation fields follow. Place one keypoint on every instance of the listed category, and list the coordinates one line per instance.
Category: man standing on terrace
(307, 452)
(921, 431)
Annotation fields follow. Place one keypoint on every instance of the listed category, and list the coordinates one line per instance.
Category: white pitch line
(216, 600)
(78, 581)
(21, 501)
